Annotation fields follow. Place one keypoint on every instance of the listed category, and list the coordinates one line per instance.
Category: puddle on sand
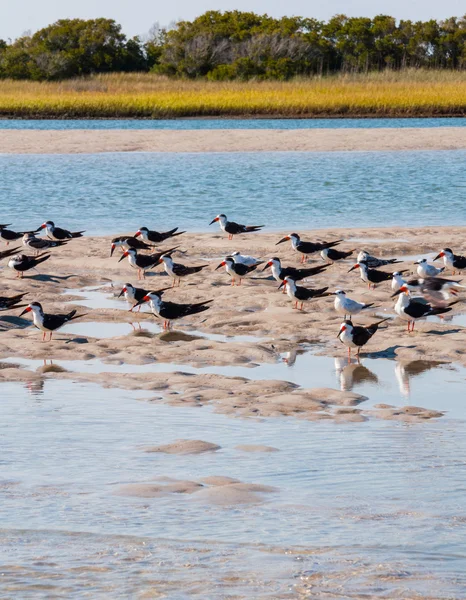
(345, 520)
(382, 380)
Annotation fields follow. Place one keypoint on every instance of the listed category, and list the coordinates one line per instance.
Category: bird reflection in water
(290, 357)
(353, 374)
(36, 387)
(405, 371)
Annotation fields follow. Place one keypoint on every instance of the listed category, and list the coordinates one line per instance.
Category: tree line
(237, 45)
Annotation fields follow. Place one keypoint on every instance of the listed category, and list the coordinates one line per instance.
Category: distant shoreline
(79, 141)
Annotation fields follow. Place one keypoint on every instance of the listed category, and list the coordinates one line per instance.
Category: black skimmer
(412, 309)
(127, 241)
(425, 270)
(280, 273)
(9, 252)
(7, 235)
(237, 271)
(397, 281)
(302, 294)
(46, 322)
(347, 306)
(21, 262)
(372, 276)
(331, 255)
(38, 244)
(356, 336)
(143, 262)
(373, 262)
(134, 295)
(156, 237)
(57, 234)
(233, 228)
(306, 248)
(452, 261)
(243, 259)
(177, 270)
(170, 311)
(11, 302)
(5, 225)
(435, 290)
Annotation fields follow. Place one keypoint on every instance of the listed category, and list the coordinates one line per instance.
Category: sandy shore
(316, 140)
(255, 309)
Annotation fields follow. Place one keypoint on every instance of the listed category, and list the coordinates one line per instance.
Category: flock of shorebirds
(428, 294)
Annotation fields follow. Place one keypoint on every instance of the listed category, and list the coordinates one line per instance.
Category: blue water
(120, 192)
(229, 123)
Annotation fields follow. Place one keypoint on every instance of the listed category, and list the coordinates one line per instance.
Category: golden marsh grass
(142, 95)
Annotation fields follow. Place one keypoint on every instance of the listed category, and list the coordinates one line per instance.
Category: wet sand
(316, 140)
(255, 310)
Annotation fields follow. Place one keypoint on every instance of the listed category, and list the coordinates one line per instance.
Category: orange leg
(240, 281)
(302, 304)
(43, 336)
(50, 338)
(349, 354)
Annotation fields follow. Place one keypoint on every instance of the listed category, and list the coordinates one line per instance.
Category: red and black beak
(222, 264)
(356, 266)
(342, 329)
(123, 256)
(285, 239)
(439, 255)
(269, 264)
(137, 234)
(112, 249)
(213, 221)
(122, 292)
(402, 289)
(26, 310)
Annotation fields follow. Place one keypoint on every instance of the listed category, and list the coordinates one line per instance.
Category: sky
(137, 16)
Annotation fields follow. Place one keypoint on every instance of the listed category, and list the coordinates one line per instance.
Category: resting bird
(233, 228)
(412, 309)
(169, 311)
(9, 252)
(48, 322)
(58, 234)
(280, 273)
(38, 244)
(125, 242)
(237, 271)
(332, 255)
(426, 270)
(357, 336)
(177, 270)
(7, 235)
(435, 290)
(143, 262)
(245, 260)
(372, 276)
(156, 237)
(347, 306)
(134, 295)
(301, 294)
(373, 262)
(10, 302)
(22, 262)
(397, 281)
(305, 248)
(452, 261)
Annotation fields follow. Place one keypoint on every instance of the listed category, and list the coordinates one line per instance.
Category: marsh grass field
(410, 93)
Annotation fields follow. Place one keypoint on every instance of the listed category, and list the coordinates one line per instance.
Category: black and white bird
(9, 252)
(372, 276)
(156, 237)
(7, 235)
(170, 311)
(143, 262)
(57, 234)
(5, 225)
(347, 306)
(244, 259)
(134, 295)
(48, 323)
(397, 281)
(424, 269)
(237, 271)
(456, 262)
(357, 336)
(177, 270)
(412, 309)
(300, 294)
(280, 273)
(38, 244)
(127, 241)
(332, 255)
(373, 262)
(8, 302)
(22, 262)
(435, 290)
(233, 228)
(306, 248)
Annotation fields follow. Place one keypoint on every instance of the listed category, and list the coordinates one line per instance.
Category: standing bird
(126, 241)
(143, 262)
(435, 290)
(280, 273)
(412, 309)
(371, 276)
(9, 252)
(426, 270)
(397, 281)
(38, 244)
(7, 302)
(452, 261)
(306, 248)
(233, 228)
(21, 262)
(7, 235)
(46, 322)
(347, 306)
(331, 255)
(134, 295)
(177, 270)
(357, 336)
(57, 234)
(245, 260)
(237, 271)
(374, 262)
(302, 294)
(169, 311)
(156, 237)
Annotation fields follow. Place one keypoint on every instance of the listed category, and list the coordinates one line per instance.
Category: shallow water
(374, 507)
(296, 190)
(180, 124)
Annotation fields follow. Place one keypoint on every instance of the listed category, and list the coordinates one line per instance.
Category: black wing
(172, 310)
(311, 247)
(298, 274)
(459, 262)
(306, 293)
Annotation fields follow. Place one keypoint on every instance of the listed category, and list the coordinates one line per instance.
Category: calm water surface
(106, 193)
